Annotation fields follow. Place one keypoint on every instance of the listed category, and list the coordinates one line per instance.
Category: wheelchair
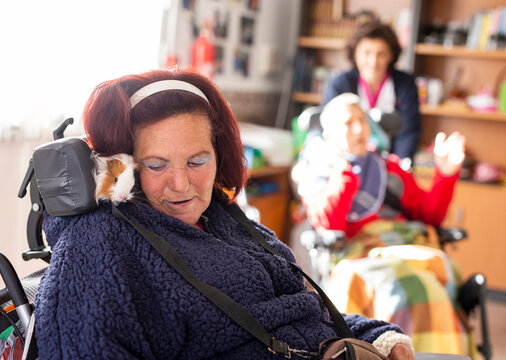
(16, 299)
(321, 246)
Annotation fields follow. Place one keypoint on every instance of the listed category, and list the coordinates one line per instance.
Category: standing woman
(374, 49)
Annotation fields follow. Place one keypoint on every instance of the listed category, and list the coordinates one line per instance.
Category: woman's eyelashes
(154, 166)
(200, 161)
(164, 165)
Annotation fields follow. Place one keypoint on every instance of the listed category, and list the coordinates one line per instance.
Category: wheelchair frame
(14, 290)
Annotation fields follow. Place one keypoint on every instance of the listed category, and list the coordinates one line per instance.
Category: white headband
(163, 85)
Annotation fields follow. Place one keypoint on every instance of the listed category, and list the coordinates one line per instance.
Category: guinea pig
(114, 177)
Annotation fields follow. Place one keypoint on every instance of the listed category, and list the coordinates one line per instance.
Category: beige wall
(14, 158)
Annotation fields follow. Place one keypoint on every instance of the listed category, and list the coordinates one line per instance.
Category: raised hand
(449, 152)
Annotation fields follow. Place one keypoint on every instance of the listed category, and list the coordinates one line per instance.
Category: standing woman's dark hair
(374, 29)
(110, 120)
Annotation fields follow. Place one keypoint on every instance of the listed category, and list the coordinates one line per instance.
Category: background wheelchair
(321, 246)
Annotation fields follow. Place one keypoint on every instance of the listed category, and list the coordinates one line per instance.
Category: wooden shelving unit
(323, 51)
(315, 98)
(321, 43)
(462, 113)
(307, 98)
(477, 208)
(269, 171)
(459, 51)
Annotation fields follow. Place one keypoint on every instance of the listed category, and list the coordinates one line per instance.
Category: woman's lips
(360, 141)
(179, 203)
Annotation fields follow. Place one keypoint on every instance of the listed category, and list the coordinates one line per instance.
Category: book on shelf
(473, 35)
(486, 29)
(327, 21)
(502, 22)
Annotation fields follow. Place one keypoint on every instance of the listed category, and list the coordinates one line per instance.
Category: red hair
(109, 123)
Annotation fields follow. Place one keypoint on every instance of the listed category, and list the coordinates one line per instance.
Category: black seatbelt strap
(217, 297)
(225, 303)
(343, 330)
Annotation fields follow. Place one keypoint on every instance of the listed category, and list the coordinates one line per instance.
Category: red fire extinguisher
(203, 53)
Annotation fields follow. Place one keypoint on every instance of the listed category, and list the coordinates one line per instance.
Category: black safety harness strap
(225, 303)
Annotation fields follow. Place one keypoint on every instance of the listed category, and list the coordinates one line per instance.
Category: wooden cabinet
(479, 208)
(274, 205)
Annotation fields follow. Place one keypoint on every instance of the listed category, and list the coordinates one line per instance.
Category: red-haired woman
(109, 294)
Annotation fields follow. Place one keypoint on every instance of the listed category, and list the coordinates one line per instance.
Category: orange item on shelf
(203, 54)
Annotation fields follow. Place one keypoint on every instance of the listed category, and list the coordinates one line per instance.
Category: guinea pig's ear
(129, 160)
(100, 163)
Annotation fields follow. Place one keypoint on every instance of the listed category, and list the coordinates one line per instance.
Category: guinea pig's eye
(115, 179)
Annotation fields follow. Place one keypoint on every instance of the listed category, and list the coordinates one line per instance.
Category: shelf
(459, 51)
(462, 113)
(322, 43)
(268, 171)
(308, 98)
(424, 177)
(316, 98)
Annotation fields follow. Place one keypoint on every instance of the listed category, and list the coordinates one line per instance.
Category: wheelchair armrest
(450, 235)
(44, 254)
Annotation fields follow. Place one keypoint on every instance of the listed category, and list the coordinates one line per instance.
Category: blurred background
(272, 59)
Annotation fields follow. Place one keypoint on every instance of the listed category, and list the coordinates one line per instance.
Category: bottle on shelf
(203, 52)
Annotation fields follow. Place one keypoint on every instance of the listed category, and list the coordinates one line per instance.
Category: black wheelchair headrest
(64, 174)
(60, 175)
(309, 119)
(390, 122)
(61, 181)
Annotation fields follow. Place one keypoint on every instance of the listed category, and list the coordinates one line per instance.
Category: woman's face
(178, 165)
(372, 57)
(350, 132)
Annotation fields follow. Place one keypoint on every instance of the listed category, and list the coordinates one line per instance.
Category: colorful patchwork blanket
(396, 272)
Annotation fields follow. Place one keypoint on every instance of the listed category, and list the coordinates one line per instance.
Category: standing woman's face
(178, 165)
(372, 57)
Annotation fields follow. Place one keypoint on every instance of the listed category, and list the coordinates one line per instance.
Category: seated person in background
(343, 186)
(373, 50)
(109, 295)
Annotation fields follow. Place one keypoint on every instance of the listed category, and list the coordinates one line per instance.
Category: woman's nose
(372, 59)
(357, 127)
(178, 180)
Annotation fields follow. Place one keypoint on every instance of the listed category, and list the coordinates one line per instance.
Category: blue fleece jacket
(109, 295)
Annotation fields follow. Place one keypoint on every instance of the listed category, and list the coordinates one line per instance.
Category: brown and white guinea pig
(115, 177)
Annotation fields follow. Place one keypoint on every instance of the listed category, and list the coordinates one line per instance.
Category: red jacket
(329, 209)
